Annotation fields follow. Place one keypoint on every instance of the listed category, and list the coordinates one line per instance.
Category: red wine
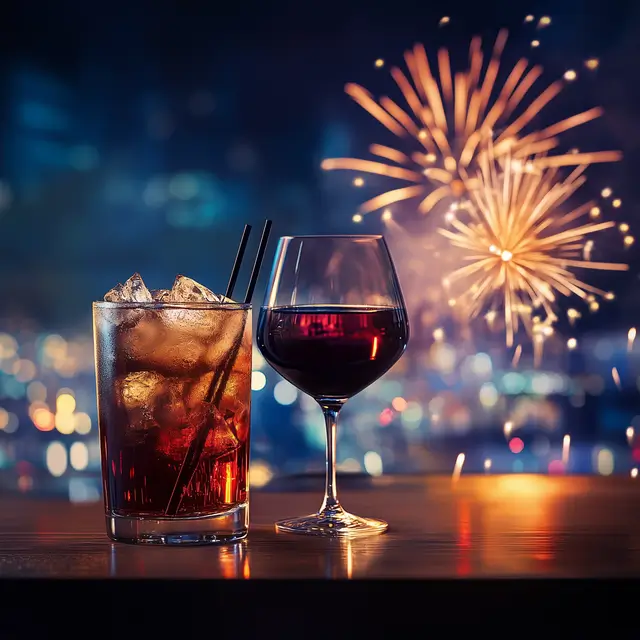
(332, 351)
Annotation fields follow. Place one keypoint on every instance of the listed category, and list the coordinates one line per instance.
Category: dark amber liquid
(139, 477)
(332, 351)
(151, 401)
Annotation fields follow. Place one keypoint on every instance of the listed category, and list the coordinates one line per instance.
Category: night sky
(276, 73)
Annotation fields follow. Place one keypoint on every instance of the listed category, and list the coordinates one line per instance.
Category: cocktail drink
(173, 374)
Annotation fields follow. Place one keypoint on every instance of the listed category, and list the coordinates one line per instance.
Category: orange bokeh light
(43, 419)
(399, 404)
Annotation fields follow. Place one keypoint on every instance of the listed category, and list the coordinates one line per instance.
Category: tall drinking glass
(174, 393)
(333, 322)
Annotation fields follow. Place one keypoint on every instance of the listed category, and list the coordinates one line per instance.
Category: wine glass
(333, 321)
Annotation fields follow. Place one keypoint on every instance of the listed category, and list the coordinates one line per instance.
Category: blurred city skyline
(143, 136)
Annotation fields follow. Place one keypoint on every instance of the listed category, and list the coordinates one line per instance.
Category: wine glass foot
(343, 524)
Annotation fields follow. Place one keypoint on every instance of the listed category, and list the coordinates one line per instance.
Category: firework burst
(452, 118)
(521, 247)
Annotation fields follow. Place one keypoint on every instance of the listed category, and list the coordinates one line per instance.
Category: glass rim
(369, 236)
(193, 306)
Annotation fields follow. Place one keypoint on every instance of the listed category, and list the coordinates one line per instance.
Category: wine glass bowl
(332, 323)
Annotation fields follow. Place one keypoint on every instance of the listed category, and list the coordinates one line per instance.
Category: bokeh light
(399, 404)
(516, 445)
(258, 380)
(56, 459)
(37, 392)
(373, 463)
(65, 403)
(259, 473)
(82, 423)
(604, 461)
(43, 419)
(285, 393)
(79, 456)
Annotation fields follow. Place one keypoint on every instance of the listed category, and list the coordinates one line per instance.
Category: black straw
(237, 263)
(221, 374)
(255, 272)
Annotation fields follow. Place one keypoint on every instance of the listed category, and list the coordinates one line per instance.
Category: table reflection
(350, 558)
(487, 526)
(230, 562)
(323, 557)
(511, 522)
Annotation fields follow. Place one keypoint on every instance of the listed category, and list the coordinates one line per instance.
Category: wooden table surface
(483, 526)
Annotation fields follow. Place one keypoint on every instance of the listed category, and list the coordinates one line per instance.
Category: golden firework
(521, 246)
(453, 118)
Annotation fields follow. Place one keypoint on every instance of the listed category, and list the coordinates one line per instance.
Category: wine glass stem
(331, 504)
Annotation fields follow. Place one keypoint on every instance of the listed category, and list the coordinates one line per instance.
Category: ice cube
(221, 439)
(174, 440)
(133, 290)
(196, 390)
(237, 386)
(235, 401)
(170, 409)
(175, 340)
(155, 340)
(229, 326)
(140, 388)
(115, 294)
(237, 416)
(187, 290)
(160, 295)
(137, 393)
(196, 340)
(170, 344)
(139, 333)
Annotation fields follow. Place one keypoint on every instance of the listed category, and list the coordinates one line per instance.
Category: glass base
(219, 528)
(340, 524)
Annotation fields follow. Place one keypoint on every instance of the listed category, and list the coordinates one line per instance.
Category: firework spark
(451, 117)
(521, 248)
(517, 354)
(457, 469)
(566, 445)
(616, 378)
(631, 337)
